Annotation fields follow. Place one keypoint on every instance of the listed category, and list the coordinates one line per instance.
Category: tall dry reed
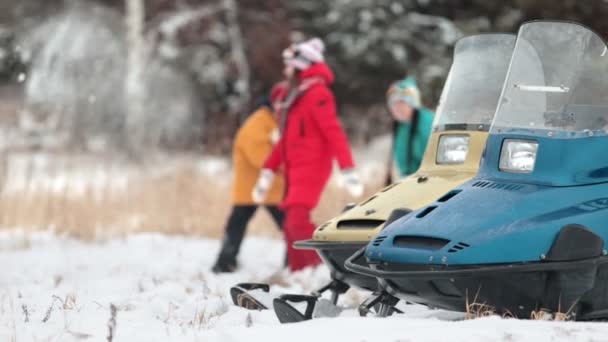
(98, 196)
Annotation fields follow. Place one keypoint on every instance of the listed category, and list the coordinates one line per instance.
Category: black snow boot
(224, 266)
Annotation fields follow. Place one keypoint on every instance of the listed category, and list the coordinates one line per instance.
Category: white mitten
(350, 180)
(275, 136)
(262, 186)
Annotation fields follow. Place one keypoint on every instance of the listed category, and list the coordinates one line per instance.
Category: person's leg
(298, 226)
(277, 215)
(233, 237)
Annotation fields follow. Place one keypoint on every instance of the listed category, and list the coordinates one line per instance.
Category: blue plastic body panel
(503, 217)
(559, 162)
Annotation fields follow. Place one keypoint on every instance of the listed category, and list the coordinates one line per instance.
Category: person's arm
(269, 169)
(275, 160)
(423, 133)
(391, 158)
(256, 143)
(401, 148)
(325, 116)
(425, 127)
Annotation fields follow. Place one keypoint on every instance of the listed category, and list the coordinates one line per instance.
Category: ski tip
(240, 297)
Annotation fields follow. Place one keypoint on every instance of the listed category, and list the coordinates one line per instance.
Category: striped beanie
(303, 55)
(404, 90)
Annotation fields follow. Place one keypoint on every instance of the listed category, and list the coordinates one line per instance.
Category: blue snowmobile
(527, 233)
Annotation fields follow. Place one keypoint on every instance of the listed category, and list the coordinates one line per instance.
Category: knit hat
(404, 90)
(303, 55)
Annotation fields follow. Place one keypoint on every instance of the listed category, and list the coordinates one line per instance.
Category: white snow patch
(58, 289)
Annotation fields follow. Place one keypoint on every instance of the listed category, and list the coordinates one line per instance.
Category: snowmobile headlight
(453, 149)
(518, 155)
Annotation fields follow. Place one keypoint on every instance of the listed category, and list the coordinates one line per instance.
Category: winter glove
(275, 136)
(262, 186)
(349, 179)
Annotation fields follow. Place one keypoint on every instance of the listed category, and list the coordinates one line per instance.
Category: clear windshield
(557, 82)
(472, 89)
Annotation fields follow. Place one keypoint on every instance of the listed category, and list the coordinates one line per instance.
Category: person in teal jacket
(412, 125)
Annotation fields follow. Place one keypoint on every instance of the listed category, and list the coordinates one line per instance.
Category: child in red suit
(311, 139)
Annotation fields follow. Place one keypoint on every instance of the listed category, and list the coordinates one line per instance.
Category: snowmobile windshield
(557, 83)
(472, 89)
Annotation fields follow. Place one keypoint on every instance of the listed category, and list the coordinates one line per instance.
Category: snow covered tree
(225, 53)
(89, 91)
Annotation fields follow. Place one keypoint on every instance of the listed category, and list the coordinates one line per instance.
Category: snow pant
(235, 230)
(298, 226)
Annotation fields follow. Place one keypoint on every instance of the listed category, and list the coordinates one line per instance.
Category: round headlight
(452, 149)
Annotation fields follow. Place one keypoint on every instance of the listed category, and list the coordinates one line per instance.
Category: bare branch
(112, 323)
(243, 84)
(170, 25)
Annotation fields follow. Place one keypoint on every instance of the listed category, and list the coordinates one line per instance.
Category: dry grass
(479, 310)
(181, 202)
(171, 196)
(475, 310)
(559, 315)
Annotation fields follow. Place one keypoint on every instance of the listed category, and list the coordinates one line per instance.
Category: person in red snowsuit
(311, 138)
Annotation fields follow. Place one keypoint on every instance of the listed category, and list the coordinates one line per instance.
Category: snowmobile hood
(486, 222)
(320, 70)
(432, 180)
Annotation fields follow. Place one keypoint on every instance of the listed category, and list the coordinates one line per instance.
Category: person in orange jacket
(252, 145)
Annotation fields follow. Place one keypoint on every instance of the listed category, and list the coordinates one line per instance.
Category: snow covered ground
(59, 289)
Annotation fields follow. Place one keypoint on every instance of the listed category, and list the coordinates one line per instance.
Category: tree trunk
(239, 57)
(134, 82)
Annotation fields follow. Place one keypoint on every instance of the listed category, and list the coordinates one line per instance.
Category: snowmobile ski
(381, 302)
(288, 308)
(257, 296)
(286, 313)
(315, 305)
(242, 295)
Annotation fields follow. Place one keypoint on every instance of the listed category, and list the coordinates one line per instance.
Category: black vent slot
(449, 195)
(498, 186)
(420, 242)
(426, 211)
(514, 187)
(379, 240)
(458, 247)
(480, 184)
(324, 225)
(360, 224)
(368, 200)
(390, 187)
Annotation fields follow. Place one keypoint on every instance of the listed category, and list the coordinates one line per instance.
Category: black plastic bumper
(517, 289)
(334, 255)
(317, 245)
